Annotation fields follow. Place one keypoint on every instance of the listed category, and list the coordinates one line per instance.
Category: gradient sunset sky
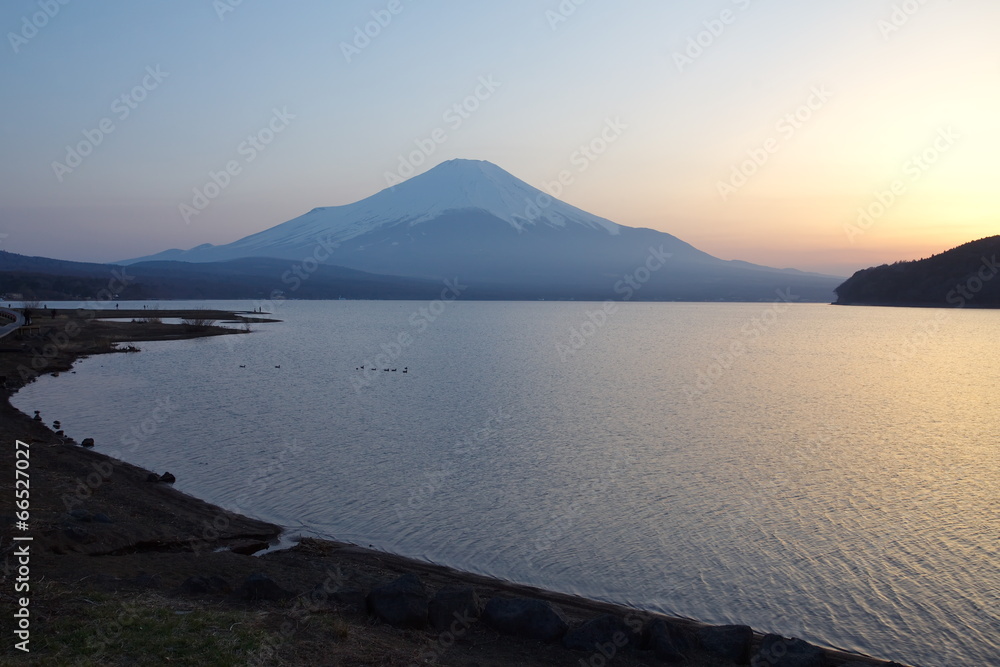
(846, 100)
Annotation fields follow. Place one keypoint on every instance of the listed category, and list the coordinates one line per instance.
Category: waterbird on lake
(278, 366)
(243, 365)
(405, 369)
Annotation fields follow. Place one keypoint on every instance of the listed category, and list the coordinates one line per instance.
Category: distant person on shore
(27, 315)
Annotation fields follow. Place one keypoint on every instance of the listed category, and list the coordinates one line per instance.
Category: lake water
(823, 472)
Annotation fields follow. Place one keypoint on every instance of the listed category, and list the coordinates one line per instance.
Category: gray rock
(527, 618)
(401, 603)
(607, 634)
(729, 642)
(167, 478)
(78, 534)
(200, 585)
(261, 587)
(354, 598)
(778, 651)
(451, 608)
(87, 442)
(668, 641)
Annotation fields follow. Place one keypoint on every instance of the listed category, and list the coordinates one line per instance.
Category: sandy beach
(126, 570)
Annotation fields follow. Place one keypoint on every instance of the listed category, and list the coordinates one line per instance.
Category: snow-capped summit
(478, 184)
(472, 219)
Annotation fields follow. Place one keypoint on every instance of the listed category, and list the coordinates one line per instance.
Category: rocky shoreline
(116, 548)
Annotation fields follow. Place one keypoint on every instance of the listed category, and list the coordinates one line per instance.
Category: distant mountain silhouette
(251, 278)
(968, 275)
(472, 220)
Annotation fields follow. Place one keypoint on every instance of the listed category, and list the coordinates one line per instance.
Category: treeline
(968, 275)
(50, 287)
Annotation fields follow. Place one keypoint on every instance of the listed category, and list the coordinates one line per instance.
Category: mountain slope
(963, 276)
(474, 220)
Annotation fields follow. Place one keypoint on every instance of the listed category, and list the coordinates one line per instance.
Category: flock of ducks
(406, 369)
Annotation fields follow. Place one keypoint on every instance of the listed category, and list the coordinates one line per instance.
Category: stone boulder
(87, 442)
(199, 585)
(526, 618)
(729, 642)
(402, 603)
(668, 641)
(778, 651)
(167, 478)
(454, 608)
(261, 587)
(607, 634)
(78, 534)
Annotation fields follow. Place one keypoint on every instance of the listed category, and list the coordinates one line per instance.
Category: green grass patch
(110, 630)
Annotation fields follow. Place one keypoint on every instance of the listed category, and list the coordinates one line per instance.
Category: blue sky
(831, 103)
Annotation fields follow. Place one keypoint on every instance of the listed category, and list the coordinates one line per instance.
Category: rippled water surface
(823, 472)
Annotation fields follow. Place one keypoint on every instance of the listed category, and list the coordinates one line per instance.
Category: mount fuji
(472, 220)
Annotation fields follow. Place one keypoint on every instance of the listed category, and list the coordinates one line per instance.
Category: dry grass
(145, 629)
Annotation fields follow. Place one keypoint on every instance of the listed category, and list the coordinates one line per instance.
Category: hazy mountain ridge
(472, 219)
(250, 278)
(963, 276)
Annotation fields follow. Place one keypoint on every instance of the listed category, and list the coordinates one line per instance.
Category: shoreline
(162, 548)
